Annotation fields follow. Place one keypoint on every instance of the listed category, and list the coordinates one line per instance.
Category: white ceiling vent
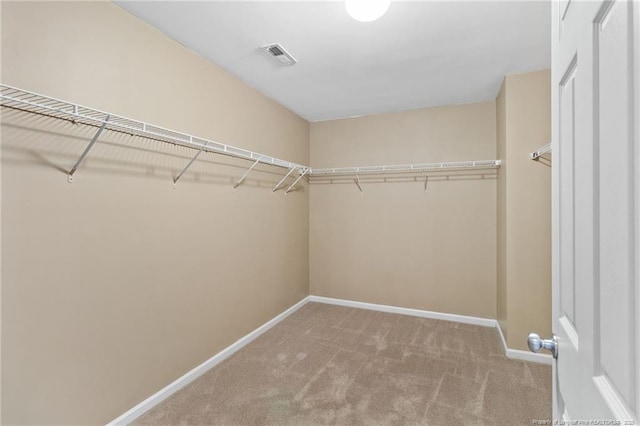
(279, 53)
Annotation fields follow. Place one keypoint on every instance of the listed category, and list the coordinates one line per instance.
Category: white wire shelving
(24, 100)
(545, 149)
(27, 101)
(408, 168)
(423, 169)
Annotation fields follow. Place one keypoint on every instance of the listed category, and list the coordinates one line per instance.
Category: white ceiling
(420, 54)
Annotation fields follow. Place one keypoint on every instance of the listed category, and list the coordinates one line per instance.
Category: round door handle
(536, 344)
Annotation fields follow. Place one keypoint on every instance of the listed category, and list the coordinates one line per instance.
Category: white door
(596, 226)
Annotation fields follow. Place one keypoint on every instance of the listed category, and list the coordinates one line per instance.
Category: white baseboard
(529, 356)
(484, 322)
(198, 371)
(523, 355)
(182, 381)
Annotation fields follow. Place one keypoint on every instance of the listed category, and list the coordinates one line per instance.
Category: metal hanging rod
(408, 168)
(545, 149)
(13, 97)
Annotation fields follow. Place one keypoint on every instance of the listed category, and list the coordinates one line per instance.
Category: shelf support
(296, 181)
(246, 173)
(357, 182)
(87, 149)
(535, 155)
(282, 180)
(195, 157)
(426, 179)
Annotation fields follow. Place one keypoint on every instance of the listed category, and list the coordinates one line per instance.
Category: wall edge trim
(523, 355)
(484, 322)
(529, 356)
(182, 381)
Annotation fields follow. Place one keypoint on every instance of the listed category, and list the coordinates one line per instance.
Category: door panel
(595, 212)
(567, 124)
(613, 83)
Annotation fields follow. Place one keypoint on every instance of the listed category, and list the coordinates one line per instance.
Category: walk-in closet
(305, 213)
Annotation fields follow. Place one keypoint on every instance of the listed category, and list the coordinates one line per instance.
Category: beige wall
(524, 198)
(117, 284)
(394, 243)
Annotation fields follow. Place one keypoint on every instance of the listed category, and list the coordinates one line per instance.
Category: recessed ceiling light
(366, 10)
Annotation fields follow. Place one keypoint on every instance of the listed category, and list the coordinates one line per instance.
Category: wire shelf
(24, 100)
(408, 168)
(12, 97)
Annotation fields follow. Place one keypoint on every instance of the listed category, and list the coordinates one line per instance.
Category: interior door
(596, 189)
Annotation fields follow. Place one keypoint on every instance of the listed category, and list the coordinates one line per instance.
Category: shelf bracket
(283, 179)
(357, 182)
(246, 173)
(535, 155)
(426, 180)
(195, 157)
(87, 149)
(296, 181)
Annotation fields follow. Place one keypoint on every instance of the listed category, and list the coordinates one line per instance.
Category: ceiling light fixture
(366, 10)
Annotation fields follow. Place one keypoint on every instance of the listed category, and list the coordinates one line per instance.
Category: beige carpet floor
(327, 364)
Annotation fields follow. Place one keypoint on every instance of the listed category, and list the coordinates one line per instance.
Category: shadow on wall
(30, 139)
(544, 161)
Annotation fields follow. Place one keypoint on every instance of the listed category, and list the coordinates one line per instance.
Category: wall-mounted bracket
(304, 172)
(357, 182)
(282, 180)
(246, 173)
(426, 180)
(195, 157)
(545, 149)
(87, 149)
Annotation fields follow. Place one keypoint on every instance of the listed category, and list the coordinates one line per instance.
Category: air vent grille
(279, 53)
(275, 51)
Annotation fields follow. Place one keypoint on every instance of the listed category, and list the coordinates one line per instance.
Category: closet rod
(545, 149)
(24, 100)
(409, 168)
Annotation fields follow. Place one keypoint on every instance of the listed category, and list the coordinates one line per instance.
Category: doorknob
(536, 344)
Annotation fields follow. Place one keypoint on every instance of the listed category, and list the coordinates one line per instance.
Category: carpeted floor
(327, 364)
